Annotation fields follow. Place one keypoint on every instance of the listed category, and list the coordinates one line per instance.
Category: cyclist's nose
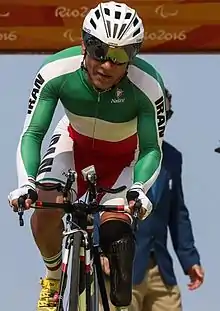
(108, 65)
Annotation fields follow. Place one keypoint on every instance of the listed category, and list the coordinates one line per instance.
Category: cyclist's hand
(105, 264)
(29, 194)
(137, 191)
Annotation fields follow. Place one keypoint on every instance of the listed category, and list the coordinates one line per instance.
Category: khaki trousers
(152, 294)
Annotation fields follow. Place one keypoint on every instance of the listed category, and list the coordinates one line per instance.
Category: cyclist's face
(104, 75)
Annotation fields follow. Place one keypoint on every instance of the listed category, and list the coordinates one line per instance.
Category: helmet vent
(107, 11)
(93, 23)
(136, 32)
(135, 22)
(115, 30)
(117, 15)
(121, 30)
(128, 15)
(97, 13)
(109, 28)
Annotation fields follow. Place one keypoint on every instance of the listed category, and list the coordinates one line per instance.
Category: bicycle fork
(86, 266)
(64, 268)
(85, 263)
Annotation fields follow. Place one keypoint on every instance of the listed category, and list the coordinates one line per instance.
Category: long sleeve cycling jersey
(131, 114)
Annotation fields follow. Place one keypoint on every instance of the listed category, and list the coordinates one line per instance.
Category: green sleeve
(150, 127)
(40, 113)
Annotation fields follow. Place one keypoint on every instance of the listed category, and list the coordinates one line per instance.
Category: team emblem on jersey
(119, 97)
(119, 93)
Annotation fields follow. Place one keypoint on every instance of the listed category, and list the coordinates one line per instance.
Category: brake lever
(21, 203)
(137, 208)
(71, 178)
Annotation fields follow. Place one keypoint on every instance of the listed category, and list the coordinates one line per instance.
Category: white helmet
(115, 24)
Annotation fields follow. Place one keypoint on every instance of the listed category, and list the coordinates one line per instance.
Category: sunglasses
(103, 52)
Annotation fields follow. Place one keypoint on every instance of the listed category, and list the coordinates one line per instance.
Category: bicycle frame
(85, 262)
(88, 285)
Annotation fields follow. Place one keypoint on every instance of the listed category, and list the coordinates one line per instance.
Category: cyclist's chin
(102, 83)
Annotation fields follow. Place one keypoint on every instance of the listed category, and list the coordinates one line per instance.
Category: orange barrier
(171, 26)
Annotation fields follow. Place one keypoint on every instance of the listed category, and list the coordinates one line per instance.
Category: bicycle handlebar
(80, 207)
(59, 188)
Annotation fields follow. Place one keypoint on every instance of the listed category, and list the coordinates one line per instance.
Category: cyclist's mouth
(104, 76)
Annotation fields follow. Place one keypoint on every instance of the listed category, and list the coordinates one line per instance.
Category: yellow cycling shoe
(47, 300)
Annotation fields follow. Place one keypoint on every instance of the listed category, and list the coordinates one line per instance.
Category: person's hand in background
(196, 274)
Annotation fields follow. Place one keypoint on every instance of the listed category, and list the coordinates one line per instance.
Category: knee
(45, 219)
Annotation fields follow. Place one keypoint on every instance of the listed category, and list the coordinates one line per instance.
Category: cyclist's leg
(117, 241)
(47, 225)
(138, 295)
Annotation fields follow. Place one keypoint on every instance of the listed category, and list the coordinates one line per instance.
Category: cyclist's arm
(150, 127)
(41, 107)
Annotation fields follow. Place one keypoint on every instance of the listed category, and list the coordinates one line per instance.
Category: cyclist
(115, 107)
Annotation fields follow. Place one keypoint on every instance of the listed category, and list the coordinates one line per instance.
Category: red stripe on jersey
(112, 149)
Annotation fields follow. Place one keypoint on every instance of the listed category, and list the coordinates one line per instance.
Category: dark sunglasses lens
(103, 52)
(97, 52)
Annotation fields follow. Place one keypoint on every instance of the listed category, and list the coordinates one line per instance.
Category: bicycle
(86, 271)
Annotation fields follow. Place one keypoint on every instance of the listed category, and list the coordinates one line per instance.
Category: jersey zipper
(96, 115)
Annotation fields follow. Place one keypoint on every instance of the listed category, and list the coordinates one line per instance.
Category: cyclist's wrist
(138, 186)
(30, 184)
(30, 191)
